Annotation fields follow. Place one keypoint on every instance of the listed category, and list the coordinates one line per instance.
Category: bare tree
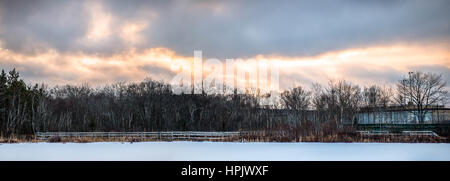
(151, 106)
(297, 99)
(319, 103)
(376, 96)
(343, 100)
(420, 91)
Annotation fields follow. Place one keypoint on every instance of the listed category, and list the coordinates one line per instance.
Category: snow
(225, 151)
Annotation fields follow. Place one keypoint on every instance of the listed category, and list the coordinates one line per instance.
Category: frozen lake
(225, 151)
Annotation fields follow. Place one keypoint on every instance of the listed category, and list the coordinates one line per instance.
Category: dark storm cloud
(28, 26)
(158, 71)
(227, 29)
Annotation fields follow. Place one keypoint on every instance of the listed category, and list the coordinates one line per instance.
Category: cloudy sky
(99, 42)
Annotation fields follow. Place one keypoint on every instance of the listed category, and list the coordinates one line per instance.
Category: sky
(101, 42)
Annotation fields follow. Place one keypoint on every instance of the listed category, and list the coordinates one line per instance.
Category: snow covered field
(205, 151)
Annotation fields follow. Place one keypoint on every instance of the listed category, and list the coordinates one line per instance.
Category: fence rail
(403, 133)
(165, 135)
(420, 133)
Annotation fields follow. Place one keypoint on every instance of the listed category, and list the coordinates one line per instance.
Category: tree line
(151, 106)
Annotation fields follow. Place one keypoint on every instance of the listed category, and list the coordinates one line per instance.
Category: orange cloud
(131, 32)
(364, 66)
(100, 22)
(354, 64)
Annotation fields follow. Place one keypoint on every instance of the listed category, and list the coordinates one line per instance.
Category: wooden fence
(165, 135)
(403, 133)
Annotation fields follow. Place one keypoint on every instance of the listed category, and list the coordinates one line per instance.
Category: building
(400, 115)
(393, 118)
